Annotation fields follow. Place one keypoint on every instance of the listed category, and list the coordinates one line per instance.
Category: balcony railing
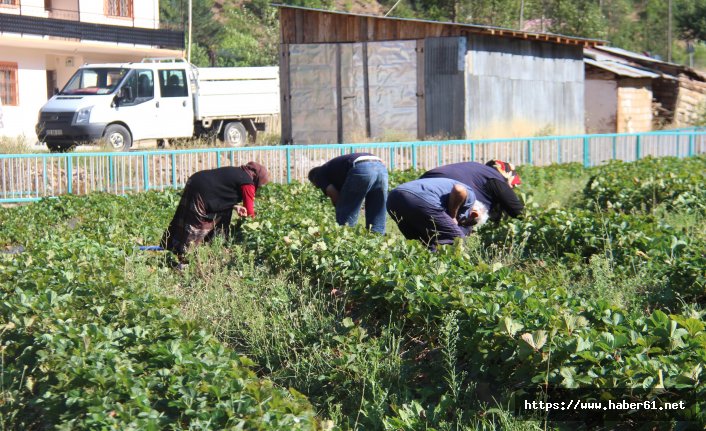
(33, 25)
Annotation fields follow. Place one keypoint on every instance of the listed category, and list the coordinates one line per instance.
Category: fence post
(558, 150)
(530, 160)
(414, 156)
(44, 173)
(615, 147)
(392, 158)
(638, 147)
(174, 172)
(146, 172)
(691, 144)
(218, 158)
(586, 155)
(473, 151)
(289, 165)
(440, 157)
(69, 175)
(111, 171)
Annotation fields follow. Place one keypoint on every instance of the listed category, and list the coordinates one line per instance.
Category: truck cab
(120, 104)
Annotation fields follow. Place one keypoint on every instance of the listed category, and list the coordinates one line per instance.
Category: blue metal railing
(28, 177)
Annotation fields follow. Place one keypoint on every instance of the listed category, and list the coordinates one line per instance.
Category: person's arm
(332, 193)
(457, 197)
(248, 192)
(502, 194)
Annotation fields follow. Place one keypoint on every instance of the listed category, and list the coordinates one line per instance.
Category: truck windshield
(88, 81)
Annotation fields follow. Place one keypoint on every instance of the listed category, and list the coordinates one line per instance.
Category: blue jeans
(365, 181)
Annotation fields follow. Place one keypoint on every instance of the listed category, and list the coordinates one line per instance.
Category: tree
(690, 17)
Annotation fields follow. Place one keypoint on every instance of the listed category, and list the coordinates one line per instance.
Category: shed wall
(634, 105)
(345, 92)
(523, 88)
(690, 101)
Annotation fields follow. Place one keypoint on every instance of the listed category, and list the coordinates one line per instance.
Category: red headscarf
(257, 172)
(507, 170)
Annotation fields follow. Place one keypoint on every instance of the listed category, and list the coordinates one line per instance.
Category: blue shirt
(436, 191)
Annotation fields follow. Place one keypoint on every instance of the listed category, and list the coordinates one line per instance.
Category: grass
(15, 145)
(359, 375)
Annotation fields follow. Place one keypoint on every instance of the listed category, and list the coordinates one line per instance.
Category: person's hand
(240, 210)
(455, 221)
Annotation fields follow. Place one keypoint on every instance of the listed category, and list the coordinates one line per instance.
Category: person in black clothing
(349, 180)
(492, 184)
(207, 204)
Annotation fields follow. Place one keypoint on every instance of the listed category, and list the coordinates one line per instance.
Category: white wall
(32, 92)
(145, 14)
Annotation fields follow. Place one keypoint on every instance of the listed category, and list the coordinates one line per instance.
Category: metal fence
(29, 177)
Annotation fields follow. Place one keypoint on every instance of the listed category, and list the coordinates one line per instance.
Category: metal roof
(634, 55)
(491, 30)
(621, 69)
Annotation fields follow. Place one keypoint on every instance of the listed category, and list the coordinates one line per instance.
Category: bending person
(433, 210)
(493, 184)
(349, 180)
(207, 204)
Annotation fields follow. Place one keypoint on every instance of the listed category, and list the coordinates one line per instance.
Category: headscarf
(257, 172)
(507, 170)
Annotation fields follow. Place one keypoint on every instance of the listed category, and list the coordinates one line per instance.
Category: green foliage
(376, 331)
(690, 17)
(83, 349)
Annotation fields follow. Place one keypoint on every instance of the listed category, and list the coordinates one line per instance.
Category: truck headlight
(83, 115)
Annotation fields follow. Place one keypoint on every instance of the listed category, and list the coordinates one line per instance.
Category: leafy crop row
(519, 326)
(82, 349)
(528, 303)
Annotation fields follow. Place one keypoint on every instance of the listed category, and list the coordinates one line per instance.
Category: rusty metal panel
(392, 75)
(353, 92)
(312, 80)
(444, 64)
(522, 88)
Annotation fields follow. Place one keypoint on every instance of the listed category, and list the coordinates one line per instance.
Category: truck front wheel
(234, 134)
(117, 138)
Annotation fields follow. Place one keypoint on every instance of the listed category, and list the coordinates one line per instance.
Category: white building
(43, 42)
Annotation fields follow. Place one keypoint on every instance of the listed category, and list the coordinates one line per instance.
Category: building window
(9, 2)
(8, 84)
(121, 8)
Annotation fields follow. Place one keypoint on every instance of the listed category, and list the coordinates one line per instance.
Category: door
(175, 113)
(444, 87)
(139, 109)
(51, 84)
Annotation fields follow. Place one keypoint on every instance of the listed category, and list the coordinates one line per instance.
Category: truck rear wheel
(234, 134)
(117, 138)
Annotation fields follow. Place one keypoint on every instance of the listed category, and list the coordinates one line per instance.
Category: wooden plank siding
(303, 26)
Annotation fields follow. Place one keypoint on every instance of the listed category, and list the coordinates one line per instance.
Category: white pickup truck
(157, 99)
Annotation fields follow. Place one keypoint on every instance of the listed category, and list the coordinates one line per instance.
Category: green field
(297, 323)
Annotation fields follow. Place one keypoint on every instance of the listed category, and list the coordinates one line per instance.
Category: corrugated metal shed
(392, 78)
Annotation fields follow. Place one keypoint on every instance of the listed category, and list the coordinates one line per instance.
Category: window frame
(130, 9)
(14, 97)
(14, 4)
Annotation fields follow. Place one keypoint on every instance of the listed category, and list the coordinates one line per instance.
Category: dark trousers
(417, 219)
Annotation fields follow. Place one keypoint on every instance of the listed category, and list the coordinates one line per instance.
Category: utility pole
(522, 14)
(188, 48)
(669, 33)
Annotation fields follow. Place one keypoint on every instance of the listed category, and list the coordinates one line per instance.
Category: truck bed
(225, 92)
